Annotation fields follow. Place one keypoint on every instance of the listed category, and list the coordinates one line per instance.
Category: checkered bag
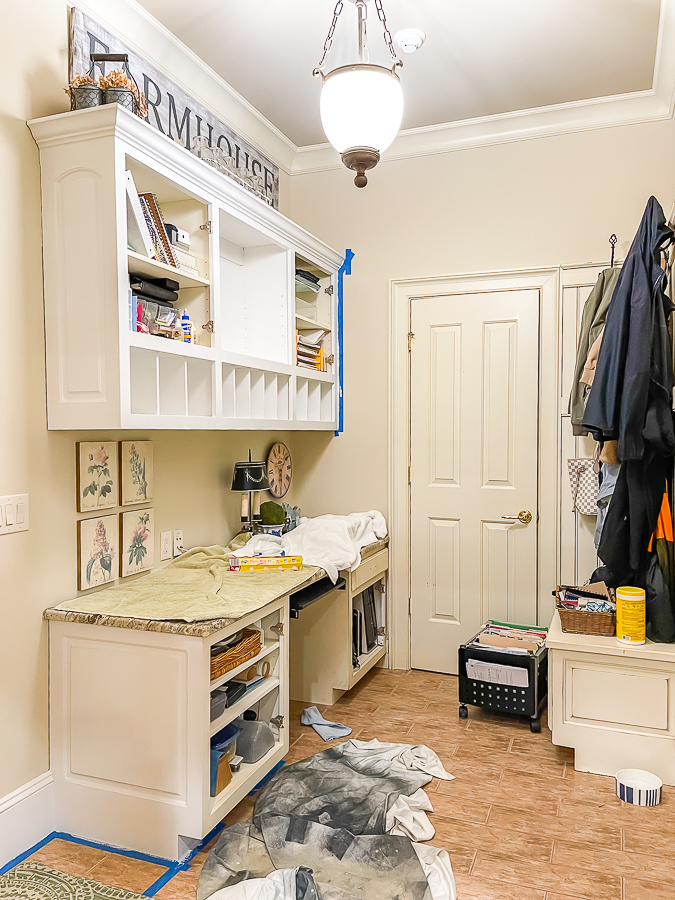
(584, 483)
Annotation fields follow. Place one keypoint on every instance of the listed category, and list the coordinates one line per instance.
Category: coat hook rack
(612, 241)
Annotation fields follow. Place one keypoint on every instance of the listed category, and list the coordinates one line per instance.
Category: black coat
(630, 401)
(631, 397)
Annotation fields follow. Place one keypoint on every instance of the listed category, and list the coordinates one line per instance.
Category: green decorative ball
(272, 513)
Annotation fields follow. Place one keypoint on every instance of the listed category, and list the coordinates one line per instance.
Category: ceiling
(481, 57)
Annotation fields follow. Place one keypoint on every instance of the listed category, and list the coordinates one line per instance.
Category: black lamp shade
(250, 476)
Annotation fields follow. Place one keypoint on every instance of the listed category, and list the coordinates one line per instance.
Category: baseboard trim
(27, 815)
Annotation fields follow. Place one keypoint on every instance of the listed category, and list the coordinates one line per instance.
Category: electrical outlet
(166, 549)
(178, 547)
(13, 513)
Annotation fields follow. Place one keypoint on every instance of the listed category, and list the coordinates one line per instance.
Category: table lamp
(250, 478)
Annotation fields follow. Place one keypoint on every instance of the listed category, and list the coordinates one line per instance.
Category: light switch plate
(13, 510)
(178, 547)
(165, 545)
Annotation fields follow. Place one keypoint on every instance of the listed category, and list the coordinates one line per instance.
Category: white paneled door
(473, 448)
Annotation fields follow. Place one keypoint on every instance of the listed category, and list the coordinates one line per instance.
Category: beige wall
(192, 470)
(538, 203)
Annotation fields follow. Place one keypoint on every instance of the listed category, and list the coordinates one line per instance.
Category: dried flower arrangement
(119, 80)
(80, 81)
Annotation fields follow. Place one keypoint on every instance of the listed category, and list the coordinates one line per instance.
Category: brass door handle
(524, 516)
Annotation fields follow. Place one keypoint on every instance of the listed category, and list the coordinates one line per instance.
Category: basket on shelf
(579, 621)
(248, 647)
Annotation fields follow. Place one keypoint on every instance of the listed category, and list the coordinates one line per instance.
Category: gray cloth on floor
(344, 866)
(344, 787)
(329, 731)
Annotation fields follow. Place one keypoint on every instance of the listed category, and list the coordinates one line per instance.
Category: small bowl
(638, 787)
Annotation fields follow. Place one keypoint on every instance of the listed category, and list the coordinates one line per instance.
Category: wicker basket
(578, 621)
(247, 648)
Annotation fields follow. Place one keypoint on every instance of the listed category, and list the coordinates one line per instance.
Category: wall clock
(279, 469)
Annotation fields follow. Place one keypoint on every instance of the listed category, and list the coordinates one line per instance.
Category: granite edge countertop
(202, 628)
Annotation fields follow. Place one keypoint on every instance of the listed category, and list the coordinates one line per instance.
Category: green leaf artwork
(137, 548)
(137, 465)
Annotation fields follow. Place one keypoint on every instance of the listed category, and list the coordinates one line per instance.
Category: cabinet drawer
(370, 569)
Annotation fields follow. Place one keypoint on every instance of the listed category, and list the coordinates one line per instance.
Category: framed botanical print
(136, 472)
(97, 480)
(97, 552)
(138, 541)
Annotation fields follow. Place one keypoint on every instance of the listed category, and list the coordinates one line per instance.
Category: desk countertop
(202, 629)
(558, 639)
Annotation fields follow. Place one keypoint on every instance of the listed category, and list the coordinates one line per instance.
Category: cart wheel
(463, 712)
(535, 726)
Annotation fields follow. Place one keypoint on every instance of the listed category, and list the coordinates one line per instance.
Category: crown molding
(564, 118)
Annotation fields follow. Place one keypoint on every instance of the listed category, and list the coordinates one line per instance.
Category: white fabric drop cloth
(438, 869)
(408, 817)
(329, 542)
(405, 756)
(280, 885)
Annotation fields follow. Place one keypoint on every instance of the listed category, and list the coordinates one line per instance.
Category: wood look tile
(74, 859)
(577, 855)
(241, 812)
(462, 835)
(476, 772)
(453, 734)
(591, 834)
(637, 889)
(183, 886)
(463, 793)
(469, 887)
(121, 871)
(548, 876)
(535, 745)
(462, 860)
(456, 807)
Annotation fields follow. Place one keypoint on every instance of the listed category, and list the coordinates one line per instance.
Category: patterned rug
(33, 881)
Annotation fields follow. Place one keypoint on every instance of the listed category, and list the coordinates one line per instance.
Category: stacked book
(305, 281)
(146, 230)
(309, 349)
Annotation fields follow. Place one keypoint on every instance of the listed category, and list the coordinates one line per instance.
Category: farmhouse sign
(176, 114)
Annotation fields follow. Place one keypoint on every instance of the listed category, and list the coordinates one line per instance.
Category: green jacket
(592, 323)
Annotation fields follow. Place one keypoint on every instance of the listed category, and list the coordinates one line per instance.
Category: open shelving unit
(242, 299)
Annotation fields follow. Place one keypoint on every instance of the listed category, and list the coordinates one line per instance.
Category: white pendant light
(361, 104)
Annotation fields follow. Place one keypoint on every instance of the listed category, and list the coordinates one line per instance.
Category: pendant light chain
(331, 31)
(387, 34)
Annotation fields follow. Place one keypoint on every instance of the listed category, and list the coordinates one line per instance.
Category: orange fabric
(664, 526)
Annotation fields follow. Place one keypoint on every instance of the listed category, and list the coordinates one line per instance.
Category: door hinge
(209, 326)
(410, 337)
(206, 227)
(409, 606)
(329, 290)
(409, 474)
(278, 628)
(277, 721)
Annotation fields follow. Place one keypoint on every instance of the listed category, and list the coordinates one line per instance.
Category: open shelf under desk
(152, 268)
(367, 661)
(269, 647)
(245, 772)
(249, 699)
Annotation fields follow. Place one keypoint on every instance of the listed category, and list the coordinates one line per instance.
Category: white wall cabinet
(243, 374)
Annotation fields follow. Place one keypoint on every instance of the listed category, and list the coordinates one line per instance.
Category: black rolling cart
(504, 698)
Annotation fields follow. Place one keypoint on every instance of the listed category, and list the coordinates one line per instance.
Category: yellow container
(631, 609)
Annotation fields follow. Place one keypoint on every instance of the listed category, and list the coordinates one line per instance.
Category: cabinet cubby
(243, 298)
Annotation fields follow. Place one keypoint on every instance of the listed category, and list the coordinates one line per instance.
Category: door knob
(524, 516)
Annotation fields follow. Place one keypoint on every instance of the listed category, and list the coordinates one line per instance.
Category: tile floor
(518, 822)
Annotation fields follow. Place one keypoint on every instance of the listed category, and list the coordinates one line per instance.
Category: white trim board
(27, 815)
(546, 281)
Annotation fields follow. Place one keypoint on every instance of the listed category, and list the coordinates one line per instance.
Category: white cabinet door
(474, 408)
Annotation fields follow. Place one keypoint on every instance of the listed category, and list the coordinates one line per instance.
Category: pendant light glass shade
(361, 107)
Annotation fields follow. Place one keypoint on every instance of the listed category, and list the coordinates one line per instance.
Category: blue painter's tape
(22, 856)
(345, 269)
(267, 777)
